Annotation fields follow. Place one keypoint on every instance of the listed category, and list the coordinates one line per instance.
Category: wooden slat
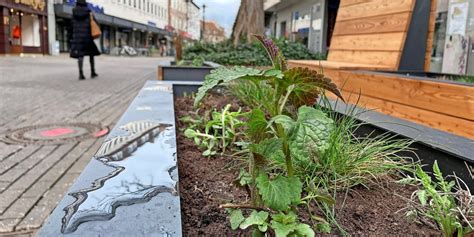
(382, 42)
(365, 57)
(374, 25)
(442, 122)
(344, 3)
(160, 73)
(336, 65)
(449, 99)
(374, 8)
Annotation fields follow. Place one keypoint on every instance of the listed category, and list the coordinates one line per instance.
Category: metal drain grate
(54, 134)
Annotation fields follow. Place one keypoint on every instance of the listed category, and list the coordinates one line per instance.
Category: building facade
(306, 21)
(212, 32)
(194, 19)
(23, 26)
(178, 16)
(134, 23)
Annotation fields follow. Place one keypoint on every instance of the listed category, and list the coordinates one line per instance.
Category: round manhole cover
(50, 134)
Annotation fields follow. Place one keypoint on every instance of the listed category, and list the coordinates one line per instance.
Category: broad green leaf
(189, 133)
(308, 85)
(270, 149)
(274, 73)
(285, 121)
(281, 229)
(207, 153)
(236, 218)
(305, 230)
(255, 218)
(263, 228)
(293, 228)
(311, 133)
(323, 227)
(256, 125)
(279, 192)
(285, 218)
(224, 75)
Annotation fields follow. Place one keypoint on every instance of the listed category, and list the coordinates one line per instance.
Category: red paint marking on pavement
(102, 132)
(56, 132)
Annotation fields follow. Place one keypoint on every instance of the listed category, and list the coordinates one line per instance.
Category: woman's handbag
(95, 29)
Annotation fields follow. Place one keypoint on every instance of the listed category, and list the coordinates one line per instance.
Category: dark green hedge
(246, 54)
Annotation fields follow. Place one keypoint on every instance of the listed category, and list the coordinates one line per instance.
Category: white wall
(140, 11)
(194, 23)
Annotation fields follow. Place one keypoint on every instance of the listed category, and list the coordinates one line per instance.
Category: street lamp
(203, 21)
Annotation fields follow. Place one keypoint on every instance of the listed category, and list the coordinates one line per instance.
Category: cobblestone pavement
(45, 90)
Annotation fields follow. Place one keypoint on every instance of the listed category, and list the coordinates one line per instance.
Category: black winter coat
(82, 42)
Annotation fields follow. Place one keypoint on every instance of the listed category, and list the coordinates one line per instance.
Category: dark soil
(376, 211)
(205, 183)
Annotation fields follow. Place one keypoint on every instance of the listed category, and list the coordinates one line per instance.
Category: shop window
(15, 28)
(30, 31)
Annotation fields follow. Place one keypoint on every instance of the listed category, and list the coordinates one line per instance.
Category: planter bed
(205, 183)
(173, 72)
(205, 186)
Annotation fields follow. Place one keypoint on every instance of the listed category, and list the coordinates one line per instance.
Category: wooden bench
(380, 35)
(372, 35)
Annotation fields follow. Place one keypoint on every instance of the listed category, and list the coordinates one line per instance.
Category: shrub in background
(247, 54)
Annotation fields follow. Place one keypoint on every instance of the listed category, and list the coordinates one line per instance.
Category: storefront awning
(65, 11)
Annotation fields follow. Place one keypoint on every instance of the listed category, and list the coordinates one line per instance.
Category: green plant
(198, 62)
(246, 54)
(440, 201)
(351, 161)
(219, 132)
(464, 78)
(281, 127)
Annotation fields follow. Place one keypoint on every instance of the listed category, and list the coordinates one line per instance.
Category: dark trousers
(81, 63)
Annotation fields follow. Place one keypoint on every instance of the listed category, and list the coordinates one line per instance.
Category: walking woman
(82, 43)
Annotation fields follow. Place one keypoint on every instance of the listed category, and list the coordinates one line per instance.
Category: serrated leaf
(285, 218)
(270, 149)
(308, 85)
(236, 218)
(256, 125)
(255, 218)
(282, 230)
(274, 53)
(310, 134)
(244, 178)
(279, 192)
(224, 75)
(422, 197)
(323, 227)
(305, 230)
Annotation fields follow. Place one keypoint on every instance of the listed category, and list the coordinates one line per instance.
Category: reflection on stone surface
(145, 165)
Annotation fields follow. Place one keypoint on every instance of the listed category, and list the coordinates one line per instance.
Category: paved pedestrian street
(46, 90)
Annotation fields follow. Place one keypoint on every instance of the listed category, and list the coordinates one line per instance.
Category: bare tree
(249, 21)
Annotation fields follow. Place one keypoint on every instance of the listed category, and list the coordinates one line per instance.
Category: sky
(221, 11)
